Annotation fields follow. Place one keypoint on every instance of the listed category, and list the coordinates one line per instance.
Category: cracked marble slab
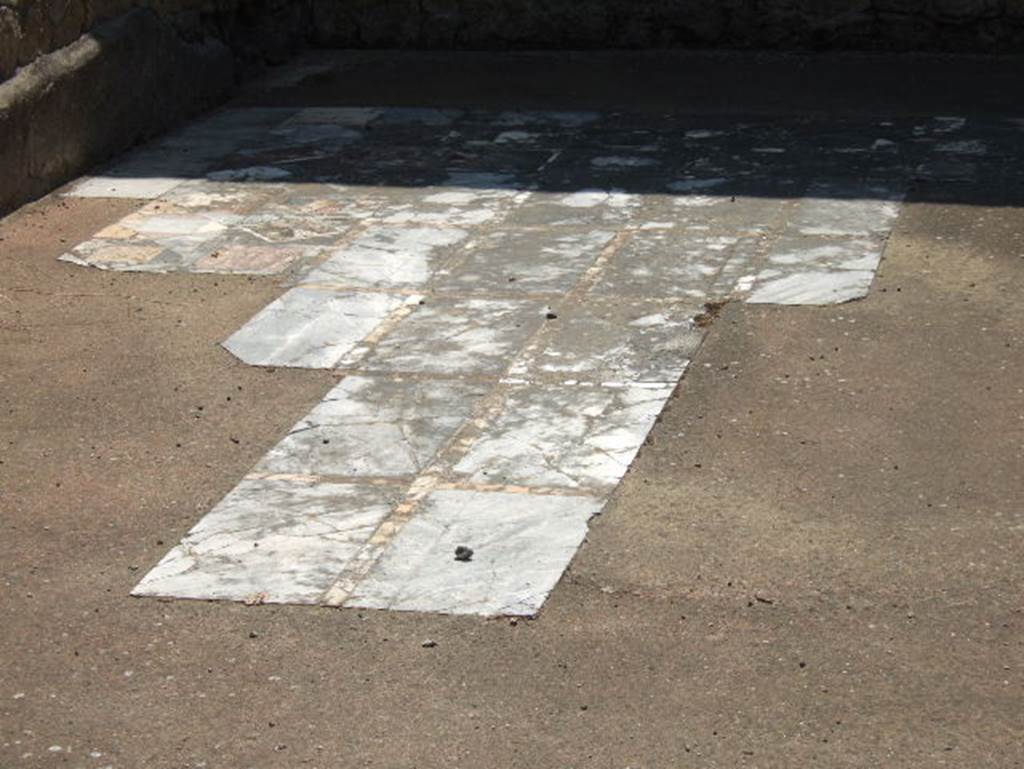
(456, 336)
(671, 262)
(526, 260)
(581, 207)
(388, 257)
(375, 427)
(311, 328)
(271, 541)
(615, 341)
(521, 545)
(569, 436)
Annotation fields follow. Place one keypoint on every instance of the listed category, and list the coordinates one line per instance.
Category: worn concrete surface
(815, 560)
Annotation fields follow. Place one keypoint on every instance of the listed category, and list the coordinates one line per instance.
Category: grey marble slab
(570, 436)
(521, 545)
(271, 541)
(311, 328)
(373, 426)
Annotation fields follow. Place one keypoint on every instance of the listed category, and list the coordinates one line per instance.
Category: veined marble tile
(271, 541)
(449, 205)
(120, 255)
(586, 207)
(521, 545)
(850, 253)
(524, 260)
(814, 287)
(604, 340)
(457, 336)
(577, 437)
(723, 205)
(371, 426)
(242, 259)
(847, 209)
(308, 328)
(670, 262)
(389, 257)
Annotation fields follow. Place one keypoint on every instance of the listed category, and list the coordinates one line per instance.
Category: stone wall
(268, 29)
(937, 25)
(257, 29)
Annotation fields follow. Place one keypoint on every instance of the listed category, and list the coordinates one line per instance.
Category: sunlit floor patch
(509, 300)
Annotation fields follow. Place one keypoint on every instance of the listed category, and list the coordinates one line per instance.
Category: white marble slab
(271, 541)
(388, 257)
(310, 328)
(569, 436)
(376, 427)
(457, 336)
(521, 545)
(615, 340)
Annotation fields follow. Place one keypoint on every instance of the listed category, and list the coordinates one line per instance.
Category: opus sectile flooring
(511, 300)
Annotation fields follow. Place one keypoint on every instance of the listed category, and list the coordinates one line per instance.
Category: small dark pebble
(463, 553)
(551, 316)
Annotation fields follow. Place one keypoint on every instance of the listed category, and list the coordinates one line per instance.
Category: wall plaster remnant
(511, 299)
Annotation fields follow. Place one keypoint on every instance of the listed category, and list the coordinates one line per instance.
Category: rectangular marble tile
(602, 208)
(389, 257)
(847, 209)
(465, 202)
(232, 258)
(309, 328)
(521, 545)
(371, 426)
(669, 262)
(816, 270)
(271, 541)
(612, 340)
(456, 336)
(526, 260)
(811, 287)
(722, 205)
(576, 437)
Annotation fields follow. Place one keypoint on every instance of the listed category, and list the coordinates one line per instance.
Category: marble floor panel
(508, 298)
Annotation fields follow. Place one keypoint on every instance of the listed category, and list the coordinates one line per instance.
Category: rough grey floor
(814, 560)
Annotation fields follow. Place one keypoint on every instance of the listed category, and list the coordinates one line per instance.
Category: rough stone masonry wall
(937, 25)
(265, 29)
(269, 28)
(83, 79)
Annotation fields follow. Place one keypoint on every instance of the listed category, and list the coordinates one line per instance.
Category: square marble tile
(310, 328)
(569, 436)
(285, 540)
(457, 336)
(670, 262)
(615, 340)
(847, 209)
(389, 257)
(585, 207)
(526, 260)
(370, 426)
(521, 545)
